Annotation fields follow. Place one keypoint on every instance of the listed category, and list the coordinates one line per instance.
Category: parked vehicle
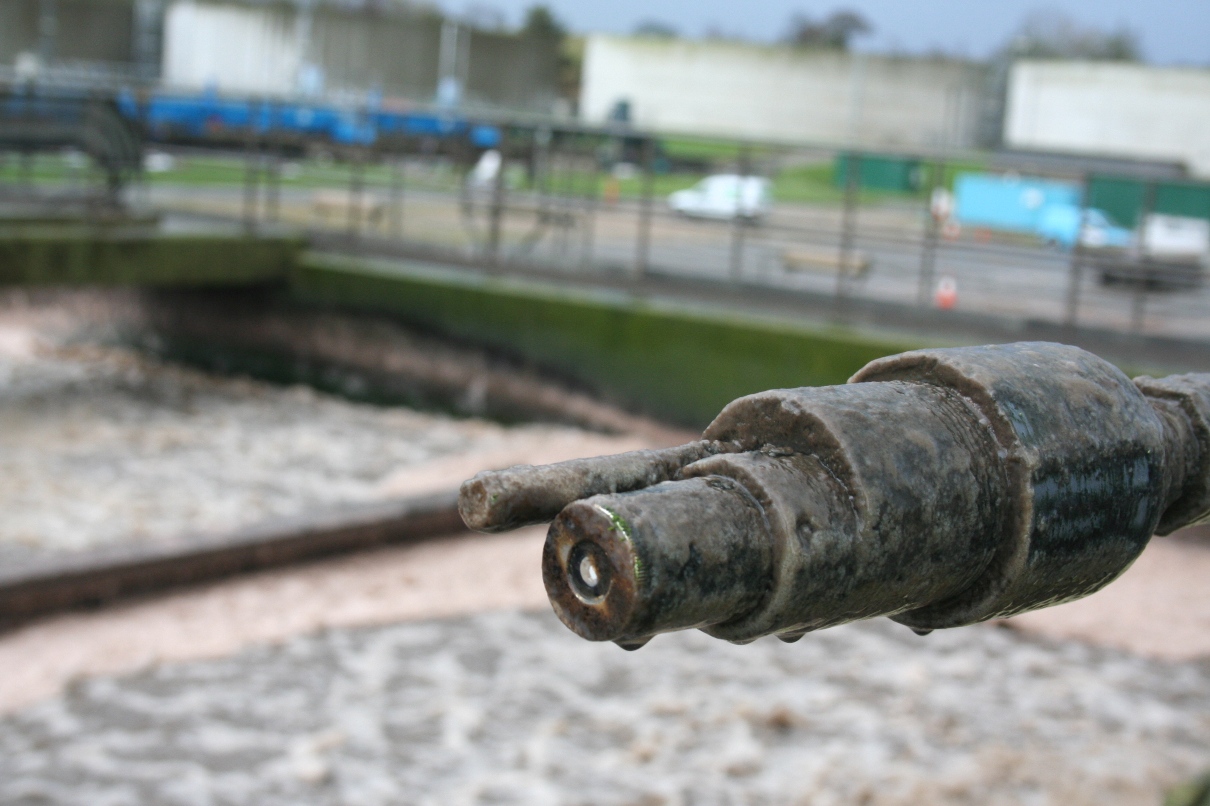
(1060, 224)
(1166, 251)
(1173, 252)
(1012, 203)
(725, 197)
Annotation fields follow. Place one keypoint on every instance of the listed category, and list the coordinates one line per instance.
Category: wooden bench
(828, 261)
(340, 204)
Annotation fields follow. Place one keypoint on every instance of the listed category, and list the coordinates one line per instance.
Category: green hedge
(677, 364)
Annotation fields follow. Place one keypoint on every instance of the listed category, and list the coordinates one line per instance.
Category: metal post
(1076, 270)
(543, 160)
(398, 166)
(1138, 305)
(273, 187)
(848, 221)
(304, 25)
(495, 230)
(48, 31)
(27, 170)
(356, 186)
(567, 202)
(643, 246)
(148, 21)
(932, 229)
(251, 179)
(592, 203)
(740, 222)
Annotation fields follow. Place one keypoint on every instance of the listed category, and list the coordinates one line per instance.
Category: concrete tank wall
(781, 93)
(1113, 109)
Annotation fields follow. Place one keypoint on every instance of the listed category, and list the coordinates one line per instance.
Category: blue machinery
(207, 117)
(109, 127)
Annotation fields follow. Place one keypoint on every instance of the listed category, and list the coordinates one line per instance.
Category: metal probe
(938, 487)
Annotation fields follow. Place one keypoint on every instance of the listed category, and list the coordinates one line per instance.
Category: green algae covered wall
(80, 257)
(679, 364)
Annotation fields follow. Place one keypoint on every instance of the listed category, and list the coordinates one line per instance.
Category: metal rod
(932, 230)
(642, 254)
(592, 203)
(568, 203)
(848, 221)
(1138, 305)
(498, 500)
(273, 189)
(251, 180)
(48, 31)
(398, 170)
(742, 219)
(356, 187)
(27, 169)
(1076, 265)
(496, 213)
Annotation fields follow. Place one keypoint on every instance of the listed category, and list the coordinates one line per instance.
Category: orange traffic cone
(946, 296)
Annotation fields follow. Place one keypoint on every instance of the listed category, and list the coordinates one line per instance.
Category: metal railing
(582, 200)
(563, 204)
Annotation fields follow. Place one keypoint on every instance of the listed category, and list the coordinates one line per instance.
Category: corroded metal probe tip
(624, 567)
(590, 570)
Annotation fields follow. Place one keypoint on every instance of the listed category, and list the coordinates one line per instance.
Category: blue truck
(1047, 208)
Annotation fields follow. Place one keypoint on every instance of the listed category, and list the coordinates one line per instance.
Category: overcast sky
(1171, 31)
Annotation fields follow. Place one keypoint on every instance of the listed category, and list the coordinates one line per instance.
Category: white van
(725, 197)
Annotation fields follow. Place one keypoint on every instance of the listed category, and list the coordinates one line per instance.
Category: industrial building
(106, 38)
(782, 93)
(285, 48)
(398, 52)
(1112, 109)
(357, 51)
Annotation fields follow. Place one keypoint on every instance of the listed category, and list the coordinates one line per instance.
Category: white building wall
(1112, 109)
(232, 48)
(780, 93)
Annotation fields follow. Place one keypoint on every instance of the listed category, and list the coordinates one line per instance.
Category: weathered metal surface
(627, 567)
(1084, 454)
(496, 501)
(939, 487)
(1184, 403)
